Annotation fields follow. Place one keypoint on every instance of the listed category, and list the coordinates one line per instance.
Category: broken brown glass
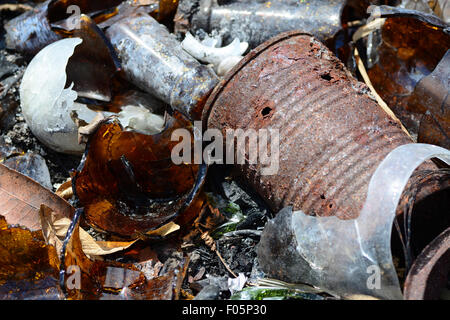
(127, 182)
(412, 44)
(28, 266)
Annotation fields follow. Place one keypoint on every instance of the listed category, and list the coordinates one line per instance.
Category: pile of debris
(156, 149)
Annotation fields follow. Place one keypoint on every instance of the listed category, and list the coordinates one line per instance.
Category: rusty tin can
(332, 134)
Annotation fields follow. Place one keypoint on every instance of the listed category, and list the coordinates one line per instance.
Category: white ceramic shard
(206, 52)
(214, 42)
(139, 119)
(227, 64)
(46, 105)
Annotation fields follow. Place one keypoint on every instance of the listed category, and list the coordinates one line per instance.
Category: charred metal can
(31, 31)
(50, 21)
(332, 134)
(256, 21)
(154, 61)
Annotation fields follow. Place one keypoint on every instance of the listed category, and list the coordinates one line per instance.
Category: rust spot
(326, 76)
(266, 112)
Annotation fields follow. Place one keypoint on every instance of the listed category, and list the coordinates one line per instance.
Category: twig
(361, 33)
(181, 276)
(225, 264)
(382, 104)
(212, 245)
(15, 7)
(244, 232)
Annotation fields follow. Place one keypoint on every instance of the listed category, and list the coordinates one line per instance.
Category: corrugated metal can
(332, 134)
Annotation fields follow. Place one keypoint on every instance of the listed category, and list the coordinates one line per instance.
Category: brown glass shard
(167, 9)
(431, 98)
(109, 280)
(435, 130)
(28, 267)
(126, 9)
(58, 9)
(93, 63)
(411, 48)
(128, 183)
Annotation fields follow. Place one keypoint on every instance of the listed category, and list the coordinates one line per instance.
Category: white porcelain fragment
(207, 52)
(227, 64)
(215, 41)
(48, 107)
(141, 120)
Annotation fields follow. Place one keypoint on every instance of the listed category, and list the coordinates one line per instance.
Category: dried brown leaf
(164, 230)
(65, 190)
(54, 229)
(21, 198)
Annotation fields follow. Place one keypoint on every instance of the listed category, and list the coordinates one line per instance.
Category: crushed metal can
(154, 61)
(257, 21)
